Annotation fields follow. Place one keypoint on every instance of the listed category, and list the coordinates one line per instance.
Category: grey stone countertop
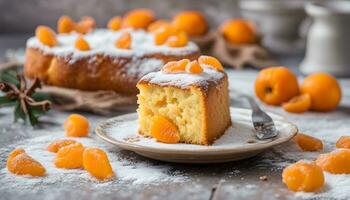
(234, 180)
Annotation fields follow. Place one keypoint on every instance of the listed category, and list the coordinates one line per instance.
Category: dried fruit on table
(65, 24)
(96, 162)
(20, 163)
(239, 31)
(70, 157)
(276, 85)
(194, 68)
(211, 62)
(308, 143)
(324, 90)
(343, 142)
(138, 18)
(46, 36)
(124, 41)
(56, 145)
(164, 130)
(76, 126)
(192, 23)
(303, 177)
(298, 104)
(335, 162)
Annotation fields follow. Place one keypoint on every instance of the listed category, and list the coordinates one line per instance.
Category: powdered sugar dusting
(102, 41)
(184, 80)
(127, 171)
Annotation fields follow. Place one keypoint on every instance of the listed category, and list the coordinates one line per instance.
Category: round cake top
(102, 41)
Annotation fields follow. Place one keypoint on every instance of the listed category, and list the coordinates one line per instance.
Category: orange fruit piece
(82, 44)
(124, 41)
(194, 68)
(96, 162)
(20, 163)
(308, 143)
(46, 36)
(211, 62)
(164, 130)
(178, 40)
(76, 126)
(192, 23)
(157, 25)
(343, 142)
(303, 177)
(70, 157)
(324, 90)
(275, 85)
(162, 34)
(85, 25)
(176, 66)
(115, 23)
(58, 144)
(65, 24)
(298, 104)
(138, 18)
(239, 31)
(335, 162)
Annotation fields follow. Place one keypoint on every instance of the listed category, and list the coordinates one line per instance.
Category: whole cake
(102, 59)
(185, 102)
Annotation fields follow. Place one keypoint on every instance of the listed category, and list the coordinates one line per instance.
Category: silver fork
(262, 122)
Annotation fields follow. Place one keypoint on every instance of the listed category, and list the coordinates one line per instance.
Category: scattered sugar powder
(127, 169)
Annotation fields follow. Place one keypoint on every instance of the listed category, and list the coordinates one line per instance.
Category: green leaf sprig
(29, 105)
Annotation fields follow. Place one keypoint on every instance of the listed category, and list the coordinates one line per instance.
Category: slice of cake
(185, 102)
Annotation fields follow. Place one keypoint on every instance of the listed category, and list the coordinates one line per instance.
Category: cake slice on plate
(185, 102)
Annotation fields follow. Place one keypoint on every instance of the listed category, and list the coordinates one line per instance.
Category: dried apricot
(76, 126)
(46, 36)
(58, 144)
(298, 104)
(70, 157)
(324, 89)
(115, 23)
(178, 40)
(335, 162)
(65, 24)
(276, 85)
(124, 41)
(164, 130)
(303, 176)
(211, 62)
(175, 66)
(192, 22)
(239, 31)
(162, 34)
(138, 18)
(308, 143)
(194, 68)
(85, 25)
(82, 44)
(19, 162)
(343, 142)
(157, 25)
(96, 162)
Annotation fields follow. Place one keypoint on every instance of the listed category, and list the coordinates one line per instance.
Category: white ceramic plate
(239, 141)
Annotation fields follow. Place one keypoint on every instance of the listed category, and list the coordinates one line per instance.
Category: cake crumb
(263, 178)
(132, 139)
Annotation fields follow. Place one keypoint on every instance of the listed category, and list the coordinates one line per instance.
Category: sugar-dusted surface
(184, 80)
(102, 41)
(239, 180)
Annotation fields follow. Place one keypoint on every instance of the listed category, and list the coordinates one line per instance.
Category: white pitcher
(328, 41)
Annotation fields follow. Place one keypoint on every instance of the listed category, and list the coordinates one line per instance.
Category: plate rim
(223, 150)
